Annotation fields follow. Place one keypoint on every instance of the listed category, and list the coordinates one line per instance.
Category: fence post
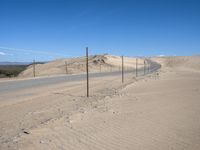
(136, 68)
(34, 68)
(87, 71)
(66, 67)
(149, 67)
(144, 66)
(122, 69)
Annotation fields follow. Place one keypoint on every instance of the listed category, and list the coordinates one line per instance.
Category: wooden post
(34, 68)
(87, 71)
(66, 67)
(122, 69)
(136, 67)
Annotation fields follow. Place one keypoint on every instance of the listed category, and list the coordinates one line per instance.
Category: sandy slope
(190, 63)
(97, 63)
(151, 113)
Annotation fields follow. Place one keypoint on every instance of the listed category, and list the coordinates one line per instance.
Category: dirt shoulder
(156, 112)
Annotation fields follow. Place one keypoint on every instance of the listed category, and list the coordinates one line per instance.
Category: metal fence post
(136, 67)
(66, 67)
(87, 71)
(144, 66)
(122, 69)
(34, 68)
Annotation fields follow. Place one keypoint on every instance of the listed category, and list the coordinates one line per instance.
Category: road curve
(15, 85)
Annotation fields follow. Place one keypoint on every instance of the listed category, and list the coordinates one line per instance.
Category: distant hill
(97, 63)
(15, 63)
(12, 69)
(6, 63)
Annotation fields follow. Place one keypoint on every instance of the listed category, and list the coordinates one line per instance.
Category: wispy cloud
(161, 55)
(31, 52)
(2, 53)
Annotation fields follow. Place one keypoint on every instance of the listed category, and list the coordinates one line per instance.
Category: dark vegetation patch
(11, 70)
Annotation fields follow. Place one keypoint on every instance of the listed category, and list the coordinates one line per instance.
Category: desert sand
(97, 63)
(155, 112)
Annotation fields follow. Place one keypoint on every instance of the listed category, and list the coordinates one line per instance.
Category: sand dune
(146, 113)
(180, 62)
(103, 63)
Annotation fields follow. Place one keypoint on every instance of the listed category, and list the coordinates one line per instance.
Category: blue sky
(50, 29)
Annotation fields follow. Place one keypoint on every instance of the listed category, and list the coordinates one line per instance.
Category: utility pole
(87, 71)
(122, 69)
(136, 67)
(66, 67)
(100, 67)
(34, 68)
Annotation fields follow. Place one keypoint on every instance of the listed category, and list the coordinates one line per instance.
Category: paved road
(15, 85)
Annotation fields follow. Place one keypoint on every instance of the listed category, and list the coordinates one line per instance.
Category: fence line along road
(15, 85)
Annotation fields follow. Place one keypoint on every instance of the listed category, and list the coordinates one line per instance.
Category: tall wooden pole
(122, 69)
(34, 68)
(87, 71)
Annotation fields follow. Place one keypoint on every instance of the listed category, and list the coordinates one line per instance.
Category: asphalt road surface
(15, 85)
